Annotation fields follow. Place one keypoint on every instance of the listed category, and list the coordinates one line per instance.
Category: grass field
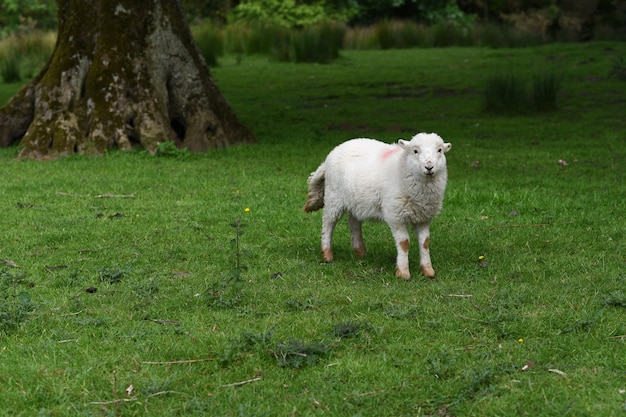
(120, 293)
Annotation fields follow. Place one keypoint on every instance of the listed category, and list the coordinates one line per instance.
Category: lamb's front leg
(401, 236)
(423, 237)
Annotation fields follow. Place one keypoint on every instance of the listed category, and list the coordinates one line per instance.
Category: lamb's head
(426, 153)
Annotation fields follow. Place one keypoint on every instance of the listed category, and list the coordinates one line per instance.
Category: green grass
(125, 285)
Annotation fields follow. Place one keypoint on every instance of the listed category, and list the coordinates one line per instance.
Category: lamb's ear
(403, 144)
(446, 147)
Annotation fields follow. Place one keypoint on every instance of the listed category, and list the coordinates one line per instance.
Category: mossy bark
(124, 73)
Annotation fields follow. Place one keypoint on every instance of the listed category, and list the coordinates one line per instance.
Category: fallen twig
(460, 295)
(165, 392)
(71, 314)
(51, 269)
(558, 372)
(247, 381)
(178, 362)
(172, 322)
(7, 262)
(121, 400)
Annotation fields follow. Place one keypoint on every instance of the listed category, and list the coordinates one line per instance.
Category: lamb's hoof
(427, 271)
(403, 274)
(359, 252)
(327, 254)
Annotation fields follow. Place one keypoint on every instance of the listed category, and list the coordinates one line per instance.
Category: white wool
(402, 184)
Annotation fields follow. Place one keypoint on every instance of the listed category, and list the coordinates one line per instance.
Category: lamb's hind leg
(356, 234)
(401, 236)
(329, 221)
(423, 236)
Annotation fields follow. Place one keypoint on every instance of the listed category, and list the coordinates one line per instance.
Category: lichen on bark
(123, 74)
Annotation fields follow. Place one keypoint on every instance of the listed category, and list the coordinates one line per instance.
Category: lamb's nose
(429, 169)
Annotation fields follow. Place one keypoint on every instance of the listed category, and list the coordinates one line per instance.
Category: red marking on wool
(388, 152)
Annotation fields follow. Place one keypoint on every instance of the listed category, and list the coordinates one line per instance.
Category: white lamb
(402, 184)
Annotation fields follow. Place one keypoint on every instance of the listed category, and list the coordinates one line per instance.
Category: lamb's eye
(439, 150)
(415, 151)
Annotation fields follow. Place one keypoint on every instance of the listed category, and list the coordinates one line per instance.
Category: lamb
(402, 184)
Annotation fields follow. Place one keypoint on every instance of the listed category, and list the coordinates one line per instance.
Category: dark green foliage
(299, 354)
(113, 275)
(310, 303)
(616, 299)
(442, 364)
(289, 14)
(349, 329)
(228, 292)
(25, 14)
(239, 252)
(170, 150)
(619, 68)
(16, 304)
(481, 381)
(248, 343)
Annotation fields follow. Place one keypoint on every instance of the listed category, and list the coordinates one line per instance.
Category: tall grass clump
(388, 34)
(318, 43)
(505, 93)
(509, 93)
(395, 34)
(10, 67)
(361, 38)
(503, 36)
(253, 38)
(450, 34)
(23, 54)
(210, 42)
(545, 90)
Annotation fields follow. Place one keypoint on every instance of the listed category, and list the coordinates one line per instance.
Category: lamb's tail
(315, 199)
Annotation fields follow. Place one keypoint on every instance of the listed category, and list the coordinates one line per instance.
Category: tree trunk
(124, 73)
